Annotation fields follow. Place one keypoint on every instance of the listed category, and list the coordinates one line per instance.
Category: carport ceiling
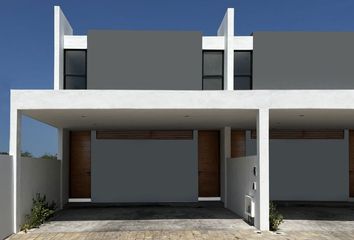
(311, 119)
(192, 119)
(146, 119)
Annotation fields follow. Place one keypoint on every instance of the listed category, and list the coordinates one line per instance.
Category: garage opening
(143, 166)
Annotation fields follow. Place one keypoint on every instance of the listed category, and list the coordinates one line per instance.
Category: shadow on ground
(143, 213)
(143, 218)
(328, 213)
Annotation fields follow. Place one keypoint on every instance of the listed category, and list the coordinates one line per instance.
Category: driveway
(334, 220)
(145, 218)
(166, 222)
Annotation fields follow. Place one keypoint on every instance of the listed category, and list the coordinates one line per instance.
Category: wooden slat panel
(238, 143)
(172, 134)
(150, 134)
(209, 163)
(303, 134)
(351, 163)
(80, 164)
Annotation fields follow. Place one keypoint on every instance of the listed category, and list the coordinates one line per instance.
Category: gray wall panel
(144, 60)
(6, 196)
(307, 170)
(144, 170)
(303, 60)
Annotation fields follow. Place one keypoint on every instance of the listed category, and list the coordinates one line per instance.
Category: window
(213, 70)
(242, 70)
(75, 69)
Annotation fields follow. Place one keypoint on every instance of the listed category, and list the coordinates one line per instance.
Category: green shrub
(40, 212)
(49, 156)
(26, 154)
(275, 218)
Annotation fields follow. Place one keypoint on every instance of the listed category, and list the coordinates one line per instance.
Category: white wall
(6, 195)
(240, 178)
(307, 169)
(38, 176)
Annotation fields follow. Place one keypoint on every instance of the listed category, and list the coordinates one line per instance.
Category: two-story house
(174, 116)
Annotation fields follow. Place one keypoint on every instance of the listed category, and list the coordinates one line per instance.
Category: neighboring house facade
(172, 116)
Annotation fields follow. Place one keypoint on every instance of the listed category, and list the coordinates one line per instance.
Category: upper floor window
(213, 70)
(75, 69)
(242, 70)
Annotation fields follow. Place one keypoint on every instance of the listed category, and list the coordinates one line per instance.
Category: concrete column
(226, 29)
(60, 157)
(225, 154)
(61, 27)
(15, 152)
(63, 156)
(262, 191)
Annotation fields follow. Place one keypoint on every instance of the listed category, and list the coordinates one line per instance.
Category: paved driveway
(147, 218)
(190, 223)
(336, 222)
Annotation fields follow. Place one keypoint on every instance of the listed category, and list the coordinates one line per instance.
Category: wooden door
(351, 163)
(80, 164)
(209, 163)
(238, 143)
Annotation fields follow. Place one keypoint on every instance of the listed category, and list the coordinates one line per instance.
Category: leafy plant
(275, 218)
(40, 212)
(4, 153)
(26, 154)
(49, 156)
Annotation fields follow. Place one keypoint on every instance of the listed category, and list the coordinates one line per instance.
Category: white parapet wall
(38, 176)
(240, 178)
(6, 195)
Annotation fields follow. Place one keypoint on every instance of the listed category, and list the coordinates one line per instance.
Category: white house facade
(174, 116)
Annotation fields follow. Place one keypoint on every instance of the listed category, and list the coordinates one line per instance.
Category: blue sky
(26, 39)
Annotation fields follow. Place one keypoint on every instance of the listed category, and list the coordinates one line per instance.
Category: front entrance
(209, 163)
(80, 164)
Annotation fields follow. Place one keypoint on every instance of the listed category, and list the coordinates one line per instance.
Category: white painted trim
(79, 200)
(166, 99)
(262, 192)
(61, 27)
(207, 199)
(243, 43)
(75, 42)
(213, 43)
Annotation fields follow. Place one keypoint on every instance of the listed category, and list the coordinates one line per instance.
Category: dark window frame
(244, 75)
(74, 75)
(213, 76)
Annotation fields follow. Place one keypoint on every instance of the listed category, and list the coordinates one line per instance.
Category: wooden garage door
(209, 163)
(80, 164)
(351, 163)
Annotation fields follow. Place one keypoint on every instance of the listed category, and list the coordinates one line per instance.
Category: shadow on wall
(143, 213)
